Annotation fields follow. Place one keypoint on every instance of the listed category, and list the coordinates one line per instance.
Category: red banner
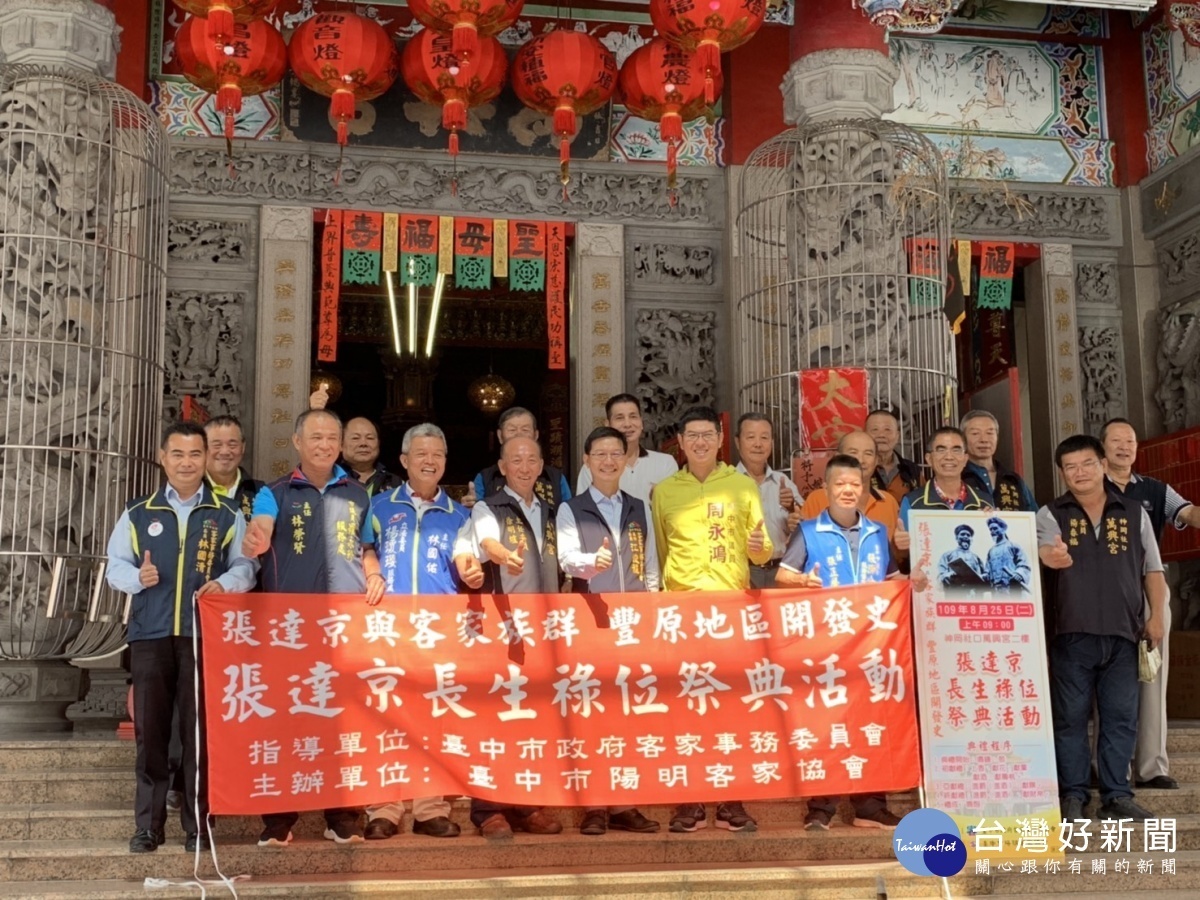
(833, 402)
(418, 233)
(331, 282)
(556, 287)
(472, 237)
(318, 701)
(526, 240)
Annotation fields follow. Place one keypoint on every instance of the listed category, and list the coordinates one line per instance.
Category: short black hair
(225, 422)
(1075, 444)
(621, 398)
(885, 411)
(751, 417)
(945, 429)
(700, 414)
(309, 413)
(843, 461)
(183, 429)
(1116, 421)
(599, 434)
(511, 413)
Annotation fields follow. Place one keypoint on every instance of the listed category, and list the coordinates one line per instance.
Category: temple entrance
(448, 353)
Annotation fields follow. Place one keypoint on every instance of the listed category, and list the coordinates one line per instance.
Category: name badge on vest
(155, 528)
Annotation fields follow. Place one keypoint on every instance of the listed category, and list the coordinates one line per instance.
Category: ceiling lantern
(664, 83)
(491, 394)
(251, 60)
(1185, 18)
(346, 57)
(437, 75)
(565, 74)
(222, 14)
(708, 28)
(466, 21)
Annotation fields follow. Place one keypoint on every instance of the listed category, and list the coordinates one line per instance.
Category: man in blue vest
(172, 546)
(1102, 555)
(313, 530)
(840, 547)
(417, 524)
(511, 535)
(605, 544)
(1163, 504)
(986, 474)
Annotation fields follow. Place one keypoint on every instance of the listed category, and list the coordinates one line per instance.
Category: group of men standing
(638, 523)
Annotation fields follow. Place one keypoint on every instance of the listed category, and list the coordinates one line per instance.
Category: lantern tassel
(220, 24)
(708, 55)
(671, 127)
(464, 41)
(454, 143)
(454, 114)
(341, 105)
(564, 121)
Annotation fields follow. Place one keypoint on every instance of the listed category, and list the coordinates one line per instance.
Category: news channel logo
(927, 842)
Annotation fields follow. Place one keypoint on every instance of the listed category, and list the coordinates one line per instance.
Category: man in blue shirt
(840, 547)
(417, 524)
(313, 530)
(167, 549)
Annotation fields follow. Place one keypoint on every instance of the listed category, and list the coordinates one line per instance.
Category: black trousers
(163, 675)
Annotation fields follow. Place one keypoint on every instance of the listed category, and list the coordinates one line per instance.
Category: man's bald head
(862, 447)
(520, 446)
(360, 444)
(521, 464)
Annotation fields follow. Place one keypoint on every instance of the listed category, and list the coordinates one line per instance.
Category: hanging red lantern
(346, 57)
(466, 21)
(1185, 18)
(664, 83)
(222, 14)
(252, 61)
(564, 74)
(440, 77)
(708, 28)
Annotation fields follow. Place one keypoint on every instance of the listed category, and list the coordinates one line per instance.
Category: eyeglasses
(603, 456)
(949, 451)
(1073, 468)
(696, 437)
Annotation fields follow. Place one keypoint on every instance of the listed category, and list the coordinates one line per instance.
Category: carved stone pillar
(1102, 385)
(1054, 353)
(78, 34)
(284, 328)
(599, 318)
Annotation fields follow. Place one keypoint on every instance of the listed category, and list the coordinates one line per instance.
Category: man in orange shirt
(878, 506)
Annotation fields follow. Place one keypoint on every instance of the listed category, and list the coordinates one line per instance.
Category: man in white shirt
(778, 493)
(643, 468)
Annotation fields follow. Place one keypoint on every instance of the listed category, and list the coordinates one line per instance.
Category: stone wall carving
(1096, 282)
(205, 350)
(1034, 214)
(676, 365)
(657, 262)
(1103, 378)
(208, 241)
(1178, 392)
(1179, 263)
(383, 178)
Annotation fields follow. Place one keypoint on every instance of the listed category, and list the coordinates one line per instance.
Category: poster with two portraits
(986, 725)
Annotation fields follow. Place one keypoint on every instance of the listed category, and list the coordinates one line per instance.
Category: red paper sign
(556, 286)
(363, 231)
(319, 701)
(923, 256)
(331, 282)
(526, 240)
(418, 234)
(996, 260)
(833, 402)
(472, 237)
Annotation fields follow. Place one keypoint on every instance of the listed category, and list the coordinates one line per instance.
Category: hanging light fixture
(491, 394)
(708, 28)
(220, 15)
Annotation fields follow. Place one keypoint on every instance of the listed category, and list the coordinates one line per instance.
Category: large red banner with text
(316, 700)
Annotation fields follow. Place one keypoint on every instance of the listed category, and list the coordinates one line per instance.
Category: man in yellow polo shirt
(708, 525)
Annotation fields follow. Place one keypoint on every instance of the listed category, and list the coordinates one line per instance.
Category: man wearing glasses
(708, 523)
(946, 456)
(1102, 552)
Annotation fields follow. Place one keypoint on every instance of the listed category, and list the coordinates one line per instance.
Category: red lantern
(346, 57)
(708, 28)
(438, 76)
(564, 74)
(221, 14)
(253, 60)
(466, 21)
(1185, 18)
(665, 84)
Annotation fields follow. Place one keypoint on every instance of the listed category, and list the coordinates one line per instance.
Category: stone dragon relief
(1178, 392)
(69, 358)
(375, 178)
(1103, 385)
(674, 264)
(205, 332)
(675, 355)
(1031, 214)
(208, 241)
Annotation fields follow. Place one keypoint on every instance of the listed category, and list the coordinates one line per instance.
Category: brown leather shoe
(538, 822)
(496, 827)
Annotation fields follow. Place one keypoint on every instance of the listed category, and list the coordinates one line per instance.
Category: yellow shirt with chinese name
(701, 529)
